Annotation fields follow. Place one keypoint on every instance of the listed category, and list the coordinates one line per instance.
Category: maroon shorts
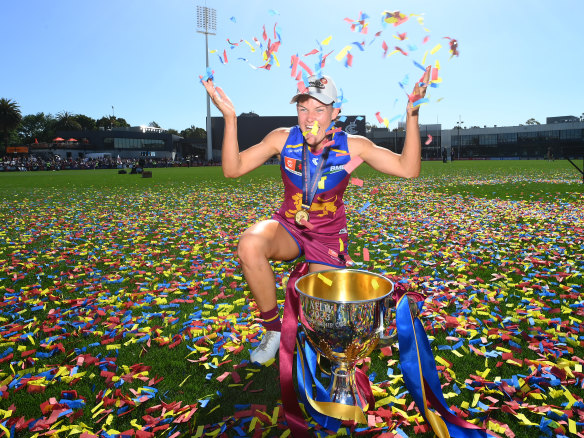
(324, 249)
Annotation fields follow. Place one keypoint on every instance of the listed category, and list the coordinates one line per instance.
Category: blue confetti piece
(364, 207)
(420, 66)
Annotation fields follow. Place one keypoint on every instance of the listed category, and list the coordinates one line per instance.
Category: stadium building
(558, 139)
(561, 137)
(134, 142)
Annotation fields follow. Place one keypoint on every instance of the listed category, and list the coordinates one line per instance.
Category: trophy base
(343, 387)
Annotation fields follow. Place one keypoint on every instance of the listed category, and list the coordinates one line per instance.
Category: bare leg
(267, 240)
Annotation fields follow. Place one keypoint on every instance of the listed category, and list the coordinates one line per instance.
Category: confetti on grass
(98, 288)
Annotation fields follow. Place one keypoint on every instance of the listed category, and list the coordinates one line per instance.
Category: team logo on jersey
(293, 165)
(320, 206)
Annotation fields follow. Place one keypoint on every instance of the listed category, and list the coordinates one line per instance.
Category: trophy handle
(386, 308)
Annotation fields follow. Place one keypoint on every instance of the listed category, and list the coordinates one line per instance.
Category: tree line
(17, 129)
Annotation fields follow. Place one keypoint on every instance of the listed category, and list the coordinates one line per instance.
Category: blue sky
(518, 59)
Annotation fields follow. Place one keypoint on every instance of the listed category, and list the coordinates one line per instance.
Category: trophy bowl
(344, 314)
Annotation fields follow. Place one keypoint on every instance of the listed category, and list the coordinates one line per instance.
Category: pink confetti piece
(353, 164)
(434, 74)
(429, 140)
(333, 131)
(357, 182)
(349, 61)
(294, 65)
(403, 52)
(385, 48)
(305, 67)
(365, 254)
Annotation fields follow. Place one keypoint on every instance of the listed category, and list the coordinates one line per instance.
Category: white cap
(321, 88)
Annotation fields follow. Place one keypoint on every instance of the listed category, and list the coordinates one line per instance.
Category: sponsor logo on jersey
(293, 165)
(337, 168)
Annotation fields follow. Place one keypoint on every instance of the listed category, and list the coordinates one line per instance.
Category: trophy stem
(343, 388)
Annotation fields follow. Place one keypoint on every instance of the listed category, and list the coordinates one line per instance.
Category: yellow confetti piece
(326, 41)
(524, 420)
(5, 430)
(252, 424)
(325, 280)
(200, 431)
(341, 245)
(435, 48)
(97, 406)
(270, 362)
(97, 413)
(572, 426)
(342, 53)
(424, 58)
(321, 183)
(6, 414)
(183, 382)
(252, 48)
(314, 129)
(375, 284)
(475, 399)
(384, 401)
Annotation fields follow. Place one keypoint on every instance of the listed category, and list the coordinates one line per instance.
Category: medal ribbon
(310, 182)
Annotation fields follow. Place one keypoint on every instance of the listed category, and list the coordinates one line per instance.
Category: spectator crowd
(25, 163)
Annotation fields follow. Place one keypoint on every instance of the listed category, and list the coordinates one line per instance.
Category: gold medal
(301, 215)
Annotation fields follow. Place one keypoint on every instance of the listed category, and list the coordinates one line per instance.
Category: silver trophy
(345, 313)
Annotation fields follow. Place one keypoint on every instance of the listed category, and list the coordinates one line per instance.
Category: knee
(250, 249)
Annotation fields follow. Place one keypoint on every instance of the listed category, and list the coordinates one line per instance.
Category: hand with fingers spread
(219, 98)
(419, 92)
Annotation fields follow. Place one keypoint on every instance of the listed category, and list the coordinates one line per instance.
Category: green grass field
(124, 308)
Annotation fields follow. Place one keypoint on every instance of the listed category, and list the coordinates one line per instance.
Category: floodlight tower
(458, 127)
(207, 24)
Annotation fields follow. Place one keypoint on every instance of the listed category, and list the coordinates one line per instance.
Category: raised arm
(408, 163)
(233, 162)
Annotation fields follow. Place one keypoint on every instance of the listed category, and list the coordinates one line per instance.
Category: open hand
(219, 98)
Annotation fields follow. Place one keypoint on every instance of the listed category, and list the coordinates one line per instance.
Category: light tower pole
(207, 24)
(458, 127)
